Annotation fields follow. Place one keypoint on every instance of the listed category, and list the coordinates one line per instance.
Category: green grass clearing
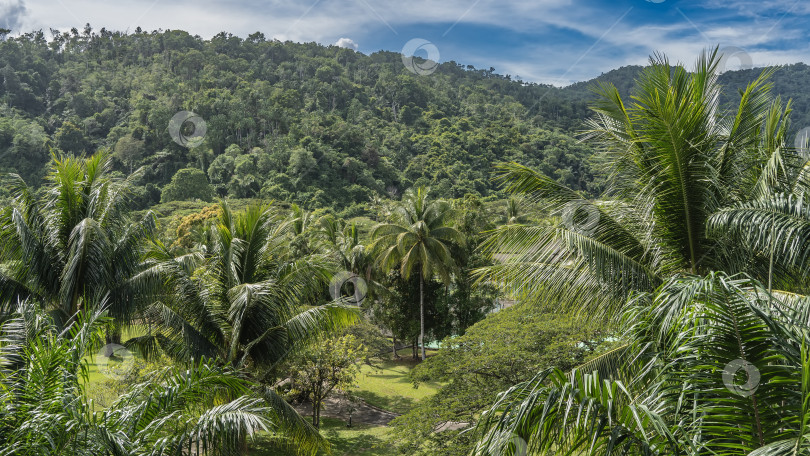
(390, 388)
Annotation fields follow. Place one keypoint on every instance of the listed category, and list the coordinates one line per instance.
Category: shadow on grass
(358, 444)
(359, 440)
(396, 404)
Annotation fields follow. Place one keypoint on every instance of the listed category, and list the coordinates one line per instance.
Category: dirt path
(340, 408)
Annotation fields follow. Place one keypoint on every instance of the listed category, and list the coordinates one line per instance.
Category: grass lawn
(359, 440)
(94, 361)
(390, 388)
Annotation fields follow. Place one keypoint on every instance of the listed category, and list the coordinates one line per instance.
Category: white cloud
(11, 14)
(631, 39)
(347, 43)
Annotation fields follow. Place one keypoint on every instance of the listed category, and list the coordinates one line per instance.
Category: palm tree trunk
(316, 407)
(422, 312)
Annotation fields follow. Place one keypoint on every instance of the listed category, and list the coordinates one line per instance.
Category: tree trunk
(316, 406)
(394, 348)
(111, 338)
(422, 312)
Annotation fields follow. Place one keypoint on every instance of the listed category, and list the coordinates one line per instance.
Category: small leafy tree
(324, 367)
(187, 184)
(130, 151)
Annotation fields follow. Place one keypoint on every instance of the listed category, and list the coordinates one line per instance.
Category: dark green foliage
(398, 310)
(318, 126)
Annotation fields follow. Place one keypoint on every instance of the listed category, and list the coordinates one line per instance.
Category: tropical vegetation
(625, 280)
(715, 356)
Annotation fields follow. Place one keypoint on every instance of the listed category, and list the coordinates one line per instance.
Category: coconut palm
(72, 244)
(44, 410)
(774, 225)
(343, 241)
(513, 214)
(418, 237)
(689, 182)
(678, 394)
(244, 300)
(676, 157)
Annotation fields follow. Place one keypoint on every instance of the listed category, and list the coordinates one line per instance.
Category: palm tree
(676, 158)
(774, 225)
(44, 410)
(513, 214)
(690, 181)
(72, 244)
(243, 300)
(419, 236)
(678, 394)
(343, 241)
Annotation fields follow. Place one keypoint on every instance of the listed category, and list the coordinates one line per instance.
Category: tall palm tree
(44, 410)
(676, 158)
(418, 237)
(72, 244)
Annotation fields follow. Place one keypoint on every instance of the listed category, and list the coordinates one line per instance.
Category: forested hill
(316, 125)
(789, 82)
(321, 126)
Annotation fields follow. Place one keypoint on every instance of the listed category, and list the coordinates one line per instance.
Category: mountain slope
(321, 126)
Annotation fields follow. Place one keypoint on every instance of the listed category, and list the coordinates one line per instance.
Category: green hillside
(320, 126)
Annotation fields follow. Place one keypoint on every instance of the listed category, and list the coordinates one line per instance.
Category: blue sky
(550, 41)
